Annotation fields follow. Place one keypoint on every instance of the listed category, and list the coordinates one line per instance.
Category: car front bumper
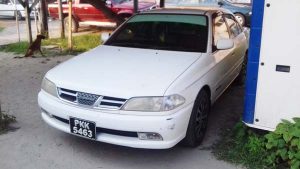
(172, 127)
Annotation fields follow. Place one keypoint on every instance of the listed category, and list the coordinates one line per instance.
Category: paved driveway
(35, 145)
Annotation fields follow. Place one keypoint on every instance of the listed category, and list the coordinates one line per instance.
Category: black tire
(241, 19)
(198, 121)
(241, 78)
(75, 24)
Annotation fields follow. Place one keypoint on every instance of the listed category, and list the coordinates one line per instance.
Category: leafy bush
(284, 144)
(255, 149)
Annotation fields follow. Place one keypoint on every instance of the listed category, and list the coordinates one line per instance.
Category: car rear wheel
(75, 24)
(198, 120)
(240, 18)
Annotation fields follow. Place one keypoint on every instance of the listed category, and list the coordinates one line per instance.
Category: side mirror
(104, 36)
(224, 44)
(108, 3)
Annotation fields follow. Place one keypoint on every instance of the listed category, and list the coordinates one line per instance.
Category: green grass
(17, 48)
(81, 44)
(1, 29)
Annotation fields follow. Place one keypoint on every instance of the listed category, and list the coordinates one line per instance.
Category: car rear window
(164, 32)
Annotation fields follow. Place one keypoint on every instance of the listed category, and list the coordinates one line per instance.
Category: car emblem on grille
(86, 98)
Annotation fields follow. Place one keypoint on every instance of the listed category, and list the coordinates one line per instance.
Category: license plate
(83, 128)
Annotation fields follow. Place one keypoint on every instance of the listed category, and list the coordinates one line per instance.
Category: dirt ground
(35, 145)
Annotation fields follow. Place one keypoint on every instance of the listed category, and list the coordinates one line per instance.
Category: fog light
(150, 136)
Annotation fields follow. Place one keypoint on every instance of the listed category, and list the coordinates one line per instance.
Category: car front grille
(90, 100)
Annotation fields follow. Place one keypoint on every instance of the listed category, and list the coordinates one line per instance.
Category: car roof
(189, 10)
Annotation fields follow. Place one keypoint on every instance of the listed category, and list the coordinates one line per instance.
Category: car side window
(233, 26)
(220, 30)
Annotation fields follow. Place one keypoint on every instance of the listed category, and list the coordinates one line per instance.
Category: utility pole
(70, 26)
(44, 18)
(61, 20)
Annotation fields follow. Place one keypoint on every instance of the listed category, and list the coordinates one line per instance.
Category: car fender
(190, 82)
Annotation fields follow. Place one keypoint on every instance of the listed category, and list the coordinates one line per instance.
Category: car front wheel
(198, 120)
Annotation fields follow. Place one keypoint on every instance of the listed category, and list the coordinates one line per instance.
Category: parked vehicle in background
(124, 8)
(86, 14)
(152, 83)
(244, 2)
(8, 9)
(242, 12)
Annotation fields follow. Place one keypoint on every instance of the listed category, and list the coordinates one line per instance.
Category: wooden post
(70, 26)
(17, 21)
(61, 20)
(135, 6)
(28, 21)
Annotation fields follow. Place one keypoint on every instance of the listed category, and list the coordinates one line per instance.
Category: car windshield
(164, 32)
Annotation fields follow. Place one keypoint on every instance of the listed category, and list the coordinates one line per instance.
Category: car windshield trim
(163, 31)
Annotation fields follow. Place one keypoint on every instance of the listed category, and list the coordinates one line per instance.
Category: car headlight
(250, 13)
(49, 87)
(154, 104)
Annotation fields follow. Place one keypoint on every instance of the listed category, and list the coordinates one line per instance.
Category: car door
(223, 58)
(240, 44)
(84, 10)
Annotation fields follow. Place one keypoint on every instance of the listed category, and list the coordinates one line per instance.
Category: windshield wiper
(128, 44)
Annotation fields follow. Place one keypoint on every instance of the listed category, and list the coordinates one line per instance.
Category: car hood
(122, 72)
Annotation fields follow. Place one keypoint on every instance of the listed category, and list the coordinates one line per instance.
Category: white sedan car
(152, 83)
